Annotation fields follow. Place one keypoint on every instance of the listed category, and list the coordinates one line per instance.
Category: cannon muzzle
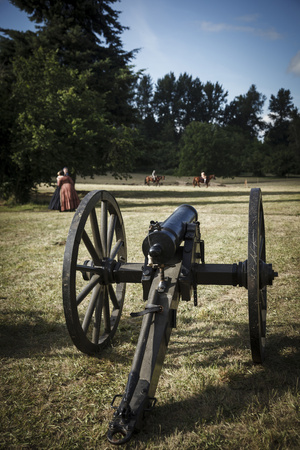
(164, 238)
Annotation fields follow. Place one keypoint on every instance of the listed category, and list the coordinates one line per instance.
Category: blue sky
(234, 42)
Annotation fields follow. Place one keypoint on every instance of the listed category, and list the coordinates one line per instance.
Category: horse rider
(203, 176)
(153, 175)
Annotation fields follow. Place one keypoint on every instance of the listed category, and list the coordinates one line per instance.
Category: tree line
(69, 95)
(188, 127)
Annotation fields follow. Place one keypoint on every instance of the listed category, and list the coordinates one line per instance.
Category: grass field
(210, 395)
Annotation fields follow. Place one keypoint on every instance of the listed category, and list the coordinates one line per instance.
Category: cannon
(96, 271)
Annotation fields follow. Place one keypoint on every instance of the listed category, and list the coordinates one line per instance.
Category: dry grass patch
(210, 395)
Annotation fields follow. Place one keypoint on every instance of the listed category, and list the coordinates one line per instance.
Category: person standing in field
(55, 200)
(69, 200)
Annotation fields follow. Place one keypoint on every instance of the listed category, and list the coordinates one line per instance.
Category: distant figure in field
(153, 175)
(203, 176)
(55, 200)
(69, 200)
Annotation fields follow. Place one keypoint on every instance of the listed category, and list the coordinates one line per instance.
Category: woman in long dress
(55, 200)
(69, 200)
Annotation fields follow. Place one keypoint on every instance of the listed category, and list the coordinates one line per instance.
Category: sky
(236, 43)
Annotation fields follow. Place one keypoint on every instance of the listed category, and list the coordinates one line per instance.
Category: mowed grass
(210, 395)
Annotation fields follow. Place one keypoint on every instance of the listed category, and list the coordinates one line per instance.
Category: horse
(198, 180)
(156, 181)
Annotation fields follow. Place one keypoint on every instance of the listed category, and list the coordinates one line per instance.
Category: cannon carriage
(96, 271)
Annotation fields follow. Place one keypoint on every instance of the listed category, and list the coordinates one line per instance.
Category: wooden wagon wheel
(96, 243)
(257, 296)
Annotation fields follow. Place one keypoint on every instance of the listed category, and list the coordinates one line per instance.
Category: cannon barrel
(164, 238)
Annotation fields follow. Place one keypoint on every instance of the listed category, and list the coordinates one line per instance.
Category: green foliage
(209, 148)
(214, 101)
(235, 145)
(294, 141)
(121, 152)
(58, 117)
(245, 111)
(185, 100)
(69, 89)
(282, 136)
(281, 106)
(144, 97)
(166, 111)
(68, 95)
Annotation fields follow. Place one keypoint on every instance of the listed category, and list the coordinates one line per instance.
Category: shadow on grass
(196, 193)
(153, 198)
(197, 196)
(239, 390)
(26, 333)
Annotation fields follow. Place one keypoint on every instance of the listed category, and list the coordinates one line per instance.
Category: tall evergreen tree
(87, 35)
(165, 104)
(214, 101)
(245, 112)
(281, 109)
(81, 41)
(281, 136)
(144, 97)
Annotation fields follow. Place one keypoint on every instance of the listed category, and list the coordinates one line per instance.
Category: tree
(176, 103)
(294, 141)
(144, 97)
(214, 101)
(21, 44)
(210, 148)
(281, 108)
(60, 122)
(245, 112)
(71, 89)
(281, 136)
(87, 35)
(253, 156)
(185, 100)
(165, 106)
(189, 95)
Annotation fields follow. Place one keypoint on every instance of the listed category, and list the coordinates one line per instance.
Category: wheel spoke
(90, 310)
(113, 297)
(90, 247)
(106, 315)
(111, 230)
(96, 234)
(87, 289)
(98, 316)
(103, 229)
(116, 249)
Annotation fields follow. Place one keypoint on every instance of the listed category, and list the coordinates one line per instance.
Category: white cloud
(270, 34)
(248, 18)
(294, 66)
